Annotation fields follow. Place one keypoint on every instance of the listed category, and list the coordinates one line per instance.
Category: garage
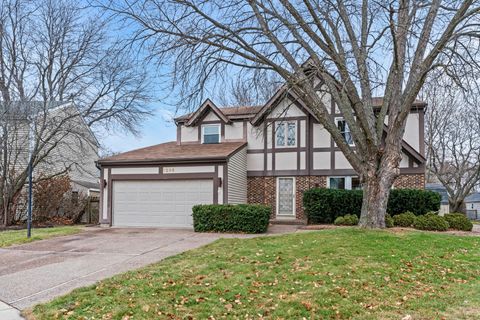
(158, 203)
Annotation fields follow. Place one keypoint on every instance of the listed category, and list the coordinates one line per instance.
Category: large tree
(453, 135)
(358, 49)
(53, 52)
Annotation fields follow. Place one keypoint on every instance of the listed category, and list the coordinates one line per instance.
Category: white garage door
(166, 203)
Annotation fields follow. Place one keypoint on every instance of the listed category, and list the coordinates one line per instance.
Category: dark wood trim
(274, 142)
(179, 134)
(225, 184)
(245, 130)
(210, 122)
(299, 142)
(277, 150)
(285, 119)
(421, 124)
(100, 200)
(310, 138)
(109, 197)
(265, 137)
(199, 134)
(222, 132)
(161, 176)
(215, 186)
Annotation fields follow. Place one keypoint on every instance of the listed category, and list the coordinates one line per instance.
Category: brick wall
(262, 190)
(410, 181)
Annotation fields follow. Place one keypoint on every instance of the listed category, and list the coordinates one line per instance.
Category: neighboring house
(472, 203)
(68, 144)
(267, 155)
(440, 189)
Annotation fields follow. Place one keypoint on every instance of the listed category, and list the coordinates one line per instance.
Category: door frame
(277, 196)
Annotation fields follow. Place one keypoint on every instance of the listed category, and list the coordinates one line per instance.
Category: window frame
(216, 125)
(347, 183)
(337, 120)
(285, 133)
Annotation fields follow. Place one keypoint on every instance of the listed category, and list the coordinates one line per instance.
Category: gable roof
(171, 151)
(474, 197)
(206, 106)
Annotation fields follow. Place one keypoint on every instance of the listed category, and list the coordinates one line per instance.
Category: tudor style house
(267, 154)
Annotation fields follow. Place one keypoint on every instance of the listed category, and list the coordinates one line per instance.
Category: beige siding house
(266, 154)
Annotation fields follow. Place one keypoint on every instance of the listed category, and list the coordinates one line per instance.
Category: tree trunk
(376, 190)
(458, 206)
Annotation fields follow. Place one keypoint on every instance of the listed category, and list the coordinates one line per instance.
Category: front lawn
(345, 273)
(8, 238)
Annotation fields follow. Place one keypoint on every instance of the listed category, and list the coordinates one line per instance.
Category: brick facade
(263, 190)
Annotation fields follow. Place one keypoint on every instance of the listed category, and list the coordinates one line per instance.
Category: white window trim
(348, 181)
(286, 122)
(337, 119)
(212, 125)
(294, 214)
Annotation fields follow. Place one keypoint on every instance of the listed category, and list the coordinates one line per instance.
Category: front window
(345, 183)
(344, 130)
(211, 134)
(286, 134)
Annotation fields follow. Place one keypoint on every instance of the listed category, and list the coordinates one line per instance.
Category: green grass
(345, 273)
(9, 238)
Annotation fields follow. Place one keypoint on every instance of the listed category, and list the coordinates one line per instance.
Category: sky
(157, 129)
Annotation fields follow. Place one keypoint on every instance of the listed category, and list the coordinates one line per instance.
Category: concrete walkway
(42, 270)
(7, 312)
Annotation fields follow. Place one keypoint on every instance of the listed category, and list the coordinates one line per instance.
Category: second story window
(286, 134)
(344, 130)
(211, 133)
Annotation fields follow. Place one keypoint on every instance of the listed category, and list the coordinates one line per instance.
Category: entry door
(286, 197)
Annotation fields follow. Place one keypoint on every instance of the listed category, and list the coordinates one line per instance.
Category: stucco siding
(341, 162)
(234, 131)
(255, 137)
(237, 177)
(255, 162)
(412, 129)
(286, 161)
(286, 108)
(211, 117)
(188, 134)
(321, 137)
(321, 160)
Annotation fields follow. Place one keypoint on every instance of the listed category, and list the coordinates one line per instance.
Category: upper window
(286, 134)
(344, 130)
(211, 133)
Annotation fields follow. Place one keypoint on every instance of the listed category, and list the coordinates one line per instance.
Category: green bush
(346, 220)
(432, 223)
(340, 221)
(431, 213)
(325, 205)
(246, 218)
(458, 221)
(389, 221)
(405, 219)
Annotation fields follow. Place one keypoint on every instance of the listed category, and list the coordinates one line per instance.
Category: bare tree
(453, 137)
(52, 52)
(357, 49)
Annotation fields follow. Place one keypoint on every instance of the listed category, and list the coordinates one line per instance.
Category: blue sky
(156, 129)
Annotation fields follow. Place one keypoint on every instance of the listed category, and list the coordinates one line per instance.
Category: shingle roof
(170, 151)
(474, 197)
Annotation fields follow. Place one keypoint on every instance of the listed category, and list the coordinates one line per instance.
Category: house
(65, 143)
(440, 189)
(472, 203)
(266, 154)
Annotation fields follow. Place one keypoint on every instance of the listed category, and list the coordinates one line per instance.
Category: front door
(286, 197)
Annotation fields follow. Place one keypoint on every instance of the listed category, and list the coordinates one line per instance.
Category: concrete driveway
(43, 270)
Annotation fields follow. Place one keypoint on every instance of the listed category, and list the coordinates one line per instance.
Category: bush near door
(246, 218)
(325, 205)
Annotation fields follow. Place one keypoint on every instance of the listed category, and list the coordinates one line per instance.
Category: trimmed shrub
(414, 200)
(432, 223)
(347, 220)
(458, 221)
(431, 213)
(246, 218)
(325, 205)
(340, 221)
(405, 219)
(389, 221)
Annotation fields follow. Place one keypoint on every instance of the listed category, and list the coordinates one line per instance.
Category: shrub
(405, 219)
(340, 221)
(346, 220)
(246, 218)
(431, 213)
(389, 221)
(325, 205)
(458, 221)
(432, 223)
(414, 200)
